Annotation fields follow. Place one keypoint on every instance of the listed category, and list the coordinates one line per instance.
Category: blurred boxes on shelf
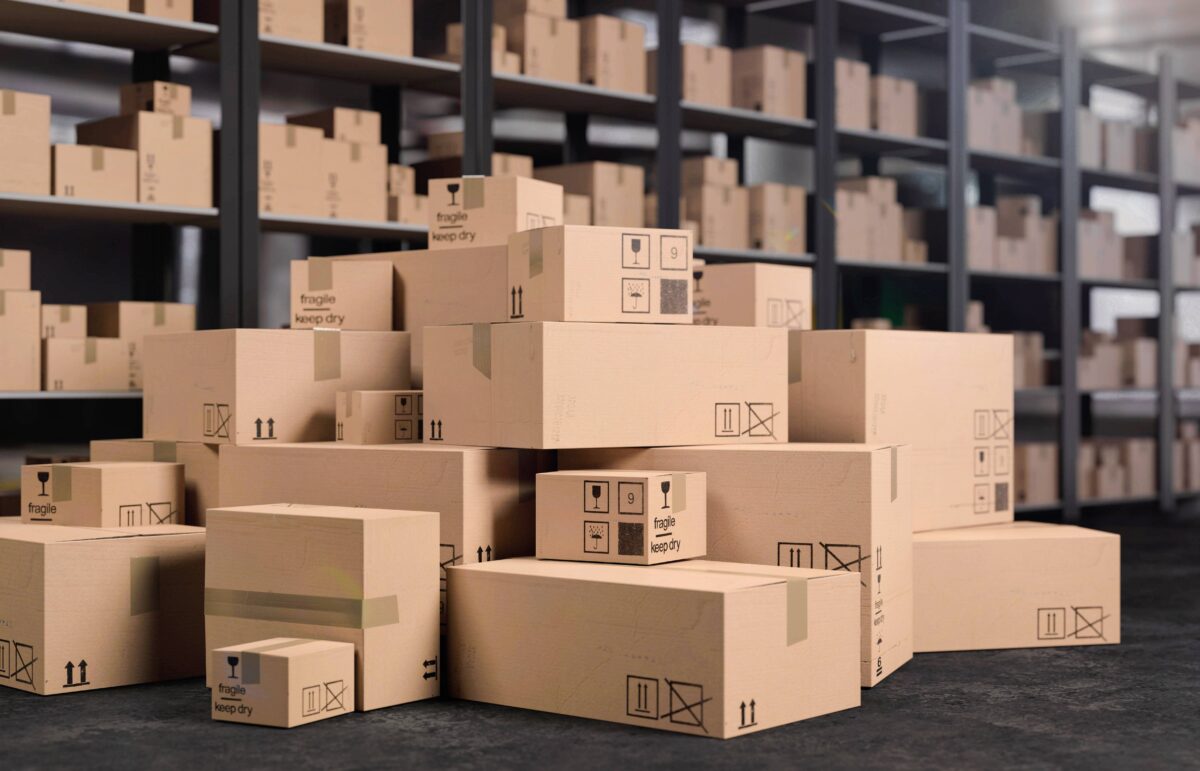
(613, 54)
(484, 211)
(723, 215)
(24, 143)
(698, 171)
(616, 189)
(85, 364)
(1100, 363)
(894, 106)
(994, 120)
(506, 9)
(853, 94)
(64, 321)
(201, 489)
(156, 96)
(707, 74)
(20, 336)
(116, 494)
(132, 321)
(1029, 360)
(180, 10)
(771, 80)
(870, 222)
(379, 417)
(754, 294)
(778, 218)
(381, 26)
(282, 682)
(343, 124)
(1036, 473)
(1099, 246)
(289, 171)
(339, 294)
(1117, 143)
(95, 173)
(549, 46)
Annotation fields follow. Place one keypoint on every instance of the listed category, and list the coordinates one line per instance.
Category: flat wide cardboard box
(485, 211)
(613, 54)
(282, 682)
(616, 189)
(382, 26)
(354, 180)
(379, 417)
(948, 395)
(627, 518)
(771, 80)
(262, 385)
(707, 74)
(548, 46)
(87, 608)
(723, 214)
(102, 494)
(289, 179)
(24, 143)
(1016, 585)
(830, 506)
(64, 321)
(156, 96)
(364, 127)
(582, 273)
(337, 294)
(778, 215)
(20, 340)
(133, 321)
(175, 154)
(14, 269)
(200, 469)
(686, 647)
(364, 576)
(85, 364)
(95, 173)
(554, 385)
(754, 294)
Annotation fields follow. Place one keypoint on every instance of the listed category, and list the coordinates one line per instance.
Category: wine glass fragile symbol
(43, 477)
(453, 188)
(666, 488)
(596, 496)
(636, 246)
(233, 662)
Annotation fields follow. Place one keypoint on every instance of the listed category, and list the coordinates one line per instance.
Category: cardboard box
(363, 576)
(1099, 247)
(754, 294)
(778, 215)
(981, 238)
(289, 173)
(64, 321)
(132, 322)
(1012, 255)
(262, 385)
(15, 269)
(578, 273)
(156, 96)
(180, 10)
(980, 113)
(95, 173)
(1099, 366)
(71, 592)
(200, 470)
(1138, 458)
(362, 127)
(485, 211)
(444, 144)
(503, 165)
(707, 74)
(336, 294)
(1139, 255)
(853, 211)
(700, 640)
(1033, 133)
(613, 54)
(600, 515)
(292, 19)
(853, 94)
(24, 143)
(354, 180)
(20, 340)
(577, 209)
(1029, 359)
(894, 105)
(548, 46)
(175, 154)
(382, 26)
(914, 251)
(282, 682)
(1139, 363)
(1018, 216)
(698, 171)
(85, 364)
(880, 190)
(1032, 585)
(771, 80)
(102, 494)
(401, 180)
(1036, 473)
(1118, 144)
(835, 506)
(550, 385)
(454, 39)
(948, 395)
(723, 214)
(379, 417)
(506, 9)
(616, 189)
(409, 209)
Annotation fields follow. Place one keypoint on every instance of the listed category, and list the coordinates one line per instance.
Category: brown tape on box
(252, 659)
(895, 472)
(472, 192)
(320, 275)
(97, 159)
(64, 311)
(89, 350)
(678, 493)
(797, 597)
(536, 250)
(344, 612)
(794, 367)
(165, 452)
(290, 135)
(8, 102)
(355, 152)
(177, 127)
(327, 354)
(60, 483)
(3, 303)
(481, 348)
(160, 314)
(143, 585)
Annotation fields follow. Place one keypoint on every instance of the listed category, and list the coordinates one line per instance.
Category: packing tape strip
(3, 303)
(320, 274)
(473, 197)
(355, 152)
(895, 470)
(795, 371)
(252, 659)
(160, 314)
(177, 127)
(64, 313)
(61, 482)
(89, 350)
(536, 251)
(481, 348)
(344, 612)
(327, 354)
(8, 102)
(143, 585)
(2, 253)
(97, 159)
(797, 597)
(165, 452)
(289, 135)
(678, 493)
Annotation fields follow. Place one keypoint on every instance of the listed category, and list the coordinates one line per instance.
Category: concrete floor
(1127, 706)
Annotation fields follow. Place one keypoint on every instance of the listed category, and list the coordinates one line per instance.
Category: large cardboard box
(379, 417)
(15, 269)
(1016, 585)
(1036, 473)
(834, 506)
(853, 94)
(894, 105)
(85, 364)
(613, 54)
(282, 682)
(24, 143)
(133, 321)
(337, 294)
(87, 608)
(551, 385)
(616, 189)
(485, 211)
(948, 395)
(703, 648)
(599, 515)
(289, 175)
(381, 26)
(20, 340)
(201, 485)
(156, 96)
(754, 294)
(709, 170)
(357, 575)
(771, 80)
(364, 127)
(354, 180)
(64, 321)
(548, 46)
(262, 385)
(506, 9)
(778, 215)
(175, 154)
(723, 214)
(579, 273)
(180, 10)
(707, 74)
(102, 494)
(95, 173)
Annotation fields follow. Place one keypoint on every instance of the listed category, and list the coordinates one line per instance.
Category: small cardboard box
(833, 506)
(503, 165)
(95, 173)
(554, 385)
(382, 26)
(723, 214)
(379, 417)
(981, 238)
(854, 211)
(613, 54)
(64, 321)
(362, 127)
(853, 94)
(707, 74)
(454, 39)
(444, 144)
(894, 106)
(1016, 585)
(289, 178)
(1036, 473)
(401, 180)
(283, 682)
(409, 209)
(156, 96)
(506, 9)
(354, 180)
(180, 10)
(1012, 255)
(485, 211)
(1100, 366)
(709, 170)
(879, 189)
(15, 269)
(606, 516)
(616, 189)
(548, 46)
(175, 154)
(71, 592)
(1118, 142)
(580, 273)
(771, 80)
(948, 395)
(24, 143)
(1138, 457)
(85, 364)
(133, 321)
(362, 576)
(292, 19)
(200, 469)
(754, 294)
(102, 494)
(262, 385)
(778, 215)
(1018, 216)
(577, 209)
(20, 340)
(709, 648)
(337, 294)
(1139, 363)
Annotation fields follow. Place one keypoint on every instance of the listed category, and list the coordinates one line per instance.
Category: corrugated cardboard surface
(20, 340)
(754, 295)
(103, 494)
(200, 470)
(485, 211)
(341, 295)
(379, 417)
(283, 682)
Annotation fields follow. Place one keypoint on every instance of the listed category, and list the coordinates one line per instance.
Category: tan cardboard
(915, 251)
(409, 209)
(853, 94)
(577, 209)
(707, 74)
(292, 19)
(282, 682)
(981, 238)
(707, 648)
(1139, 363)
(381, 26)
(1138, 457)
(709, 170)
(723, 214)
(112, 5)
(201, 488)
(548, 46)
(289, 175)
(485, 211)
(175, 154)
(336, 294)
(1117, 140)
(262, 385)
(70, 592)
(503, 165)
(95, 173)
(444, 144)
(1012, 255)
(180, 10)
(64, 321)
(85, 364)
(1031, 585)
(1029, 360)
(948, 395)
(754, 294)
(577, 273)
(15, 269)
(362, 127)
(20, 340)
(354, 180)
(357, 575)
(894, 105)
(24, 143)
(379, 417)
(536, 386)
(616, 189)
(613, 54)
(771, 80)
(627, 518)
(103, 494)
(506, 9)
(778, 215)
(156, 96)
(834, 506)
(133, 321)
(401, 180)
(1036, 473)
(854, 212)
(1100, 366)
(880, 189)
(454, 39)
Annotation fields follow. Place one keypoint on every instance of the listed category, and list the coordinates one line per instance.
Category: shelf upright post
(734, 37)
(575, 148)
(1167, 96)
(824, 217)
(476, 86)
(958, 67)
(153, 246)
(668, 112)
(240, 68)
(1070, 196)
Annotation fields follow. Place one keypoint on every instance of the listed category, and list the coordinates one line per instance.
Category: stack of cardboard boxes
(1127, 360)
(378, 26)
(883, 103)
(504, 62)
(539, 32)
(1116, 468)
(1012, 237)
(348, 181)
(614, 191)
(1185, 139)
(871, 225)
(179, 10)
(770, 217)
(994, 121)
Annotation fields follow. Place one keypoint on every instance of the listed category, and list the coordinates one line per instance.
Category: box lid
(285, 647)
(1009, 531)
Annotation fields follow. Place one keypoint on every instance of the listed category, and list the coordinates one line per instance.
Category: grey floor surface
(1136, 705)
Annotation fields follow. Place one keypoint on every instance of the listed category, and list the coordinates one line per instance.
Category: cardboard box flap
(280, 647)
(1013, 531)
(316, 511)
(344, 612)
(17, 531)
